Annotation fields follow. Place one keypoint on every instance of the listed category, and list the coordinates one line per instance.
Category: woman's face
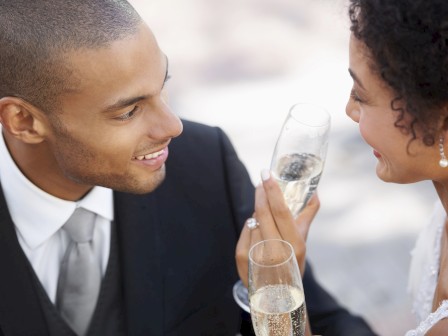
(399, 160)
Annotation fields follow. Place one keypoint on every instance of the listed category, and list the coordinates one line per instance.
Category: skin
(369, 107)
(114, 113)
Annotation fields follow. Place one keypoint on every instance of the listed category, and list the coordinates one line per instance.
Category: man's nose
(165, 124)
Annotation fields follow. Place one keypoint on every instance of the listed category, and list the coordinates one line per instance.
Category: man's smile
(149, 155)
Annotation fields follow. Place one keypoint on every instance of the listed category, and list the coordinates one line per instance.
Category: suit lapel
(20, 309)
(141, 260)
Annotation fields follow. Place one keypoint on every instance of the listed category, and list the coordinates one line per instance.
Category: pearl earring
(443, 161)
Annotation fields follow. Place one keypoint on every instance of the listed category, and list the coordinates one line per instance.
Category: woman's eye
(168, 77)
(354, 96)
(127, 115)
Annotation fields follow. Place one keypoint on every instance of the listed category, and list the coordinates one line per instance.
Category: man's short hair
(35, 36)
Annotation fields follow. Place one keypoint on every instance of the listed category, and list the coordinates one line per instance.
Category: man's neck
(40, 167)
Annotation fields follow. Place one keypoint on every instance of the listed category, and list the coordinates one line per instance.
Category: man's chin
(135, 186)
(149, 185)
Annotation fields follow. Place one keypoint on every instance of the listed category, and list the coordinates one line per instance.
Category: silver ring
(252, 223)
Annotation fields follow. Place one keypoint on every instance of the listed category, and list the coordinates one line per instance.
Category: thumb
(306, 216)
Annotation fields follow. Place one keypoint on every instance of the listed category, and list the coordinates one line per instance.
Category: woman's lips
(377, 155)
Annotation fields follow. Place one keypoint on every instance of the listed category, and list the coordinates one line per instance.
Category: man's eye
(127, 115)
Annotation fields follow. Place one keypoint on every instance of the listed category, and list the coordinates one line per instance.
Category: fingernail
(265, 174)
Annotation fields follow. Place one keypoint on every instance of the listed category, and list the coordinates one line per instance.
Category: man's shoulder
(196, 136)
(199, 146)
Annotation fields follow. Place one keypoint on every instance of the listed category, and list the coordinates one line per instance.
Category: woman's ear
(445, 125)
(22, 120)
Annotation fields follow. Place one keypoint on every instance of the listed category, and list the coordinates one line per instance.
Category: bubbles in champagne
(278, 310)
(298, 176)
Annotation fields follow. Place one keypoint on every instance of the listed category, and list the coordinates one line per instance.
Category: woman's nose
(352, 111)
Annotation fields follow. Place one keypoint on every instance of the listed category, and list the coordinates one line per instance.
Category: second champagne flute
(277, 302)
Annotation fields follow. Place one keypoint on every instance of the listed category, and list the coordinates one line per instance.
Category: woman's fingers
(242, 254)
(248, 238)
(277, 205)
(255, 236)
(268, 227)
(295, 231)
(275, 222)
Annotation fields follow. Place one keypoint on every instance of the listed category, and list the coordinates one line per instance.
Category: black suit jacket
(177, 248)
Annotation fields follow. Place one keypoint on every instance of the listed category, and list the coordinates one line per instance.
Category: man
(85, 135)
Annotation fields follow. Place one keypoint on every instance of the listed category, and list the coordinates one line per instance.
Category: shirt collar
(36, 214)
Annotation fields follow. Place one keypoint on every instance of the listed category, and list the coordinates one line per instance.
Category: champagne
(278, 310)
(298, 176)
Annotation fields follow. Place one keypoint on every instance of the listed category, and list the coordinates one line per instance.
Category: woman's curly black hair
(408, 43)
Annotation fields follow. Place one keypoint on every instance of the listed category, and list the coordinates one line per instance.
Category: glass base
(241, 295)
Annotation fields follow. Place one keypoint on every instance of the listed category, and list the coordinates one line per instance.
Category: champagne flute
(297, 164)
(299, 154)
(277, 302)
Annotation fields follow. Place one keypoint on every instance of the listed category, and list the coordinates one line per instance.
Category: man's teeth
(150, 156)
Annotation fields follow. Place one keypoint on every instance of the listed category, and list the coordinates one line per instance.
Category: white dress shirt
(39, 216)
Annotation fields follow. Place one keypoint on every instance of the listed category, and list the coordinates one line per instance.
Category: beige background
(240, 65)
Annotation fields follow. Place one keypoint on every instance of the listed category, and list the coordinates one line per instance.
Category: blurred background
(240, 65)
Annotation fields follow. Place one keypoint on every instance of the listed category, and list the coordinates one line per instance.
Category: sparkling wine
(278, 310)
(298, 176)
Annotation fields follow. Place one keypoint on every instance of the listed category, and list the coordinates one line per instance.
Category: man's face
(114, 127)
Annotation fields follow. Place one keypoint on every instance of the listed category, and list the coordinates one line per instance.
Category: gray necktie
(80, 275)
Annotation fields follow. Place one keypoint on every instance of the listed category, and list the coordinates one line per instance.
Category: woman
(399, 65)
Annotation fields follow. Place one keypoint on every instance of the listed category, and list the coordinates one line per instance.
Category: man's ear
(22, 120)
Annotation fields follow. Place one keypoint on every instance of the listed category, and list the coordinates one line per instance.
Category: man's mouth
(149, 156)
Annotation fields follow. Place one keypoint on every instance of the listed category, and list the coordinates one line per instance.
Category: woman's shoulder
(425, 263)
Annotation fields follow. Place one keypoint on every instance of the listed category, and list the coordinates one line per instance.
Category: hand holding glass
(297, 163)
(277, 302)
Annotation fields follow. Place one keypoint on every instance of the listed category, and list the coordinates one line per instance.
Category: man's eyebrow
(122, 103)
(355, 78)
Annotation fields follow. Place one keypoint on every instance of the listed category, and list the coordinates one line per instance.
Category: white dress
(424, 271)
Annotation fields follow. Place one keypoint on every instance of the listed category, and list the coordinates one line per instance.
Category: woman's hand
(275, 222)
